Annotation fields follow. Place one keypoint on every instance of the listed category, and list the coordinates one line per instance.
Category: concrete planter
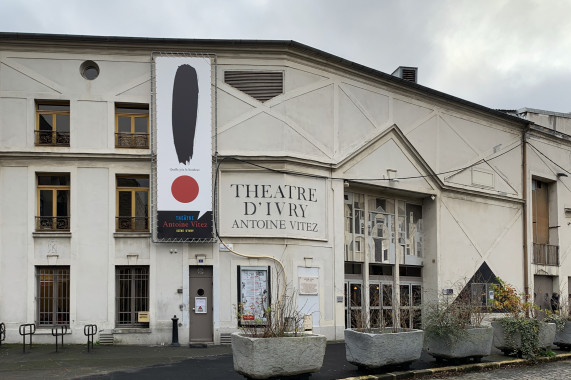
(374, 350)
(474, 343)
(546, 337)
(262, 358)
(563, 338)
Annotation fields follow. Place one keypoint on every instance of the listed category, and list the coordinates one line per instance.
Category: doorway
(200, 293)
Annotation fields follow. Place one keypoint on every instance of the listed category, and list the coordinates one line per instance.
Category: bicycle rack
(27, 329)
(62, 333)
(89, 331)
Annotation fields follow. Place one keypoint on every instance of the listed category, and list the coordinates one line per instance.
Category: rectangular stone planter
(262, 358)
(473, 343)
(374, 350)
(563, 338)
(546, 337)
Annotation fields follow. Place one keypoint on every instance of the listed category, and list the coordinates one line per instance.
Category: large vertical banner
(183, 106)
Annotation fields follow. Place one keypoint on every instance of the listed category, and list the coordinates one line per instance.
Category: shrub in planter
(562, 321)
(277, 346)
(520, 333)
(453, 330)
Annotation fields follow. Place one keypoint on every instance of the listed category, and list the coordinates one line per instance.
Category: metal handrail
(132, 223)
(52, 223)
(131, 140)
(52, 138)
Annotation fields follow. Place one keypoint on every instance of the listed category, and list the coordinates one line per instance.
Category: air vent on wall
(406, 73)
(260, 85)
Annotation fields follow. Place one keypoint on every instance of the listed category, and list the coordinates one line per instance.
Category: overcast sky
(498, 53)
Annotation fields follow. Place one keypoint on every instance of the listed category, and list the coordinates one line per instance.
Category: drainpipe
(525, 219)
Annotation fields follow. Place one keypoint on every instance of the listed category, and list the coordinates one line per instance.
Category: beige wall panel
(58, 248)
(312, 112)
(297, 78)
(230, 108)
(389, 156)
(13, 80)
(453, 151)
(13, 123)
(425, 140)
(408, 115)
(14, 235)
(131, 246)
(89, 126)
(374, 104)
(91, 271)
(354, 127)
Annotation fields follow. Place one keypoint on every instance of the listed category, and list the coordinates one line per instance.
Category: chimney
(407, 73)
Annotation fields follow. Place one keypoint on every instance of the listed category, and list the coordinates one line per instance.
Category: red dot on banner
(184, 189)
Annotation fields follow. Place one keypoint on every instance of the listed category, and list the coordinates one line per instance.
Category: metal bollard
(31, 327)
(89, 331)
(55, 333)
(175, 332)
(2, 332)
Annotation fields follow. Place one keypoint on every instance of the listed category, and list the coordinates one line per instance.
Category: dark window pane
(46, 123)
(374, 295)
(405, 295)
(53, 180)
(63, 203)
(125, 203)
(355, 295)
(416, 295)
(53, 107)
(143, 111)
(46, 203)
(133, 182)
(141, 204)
(387, 295)
(62, 123)
(141, 124)
(124, 124)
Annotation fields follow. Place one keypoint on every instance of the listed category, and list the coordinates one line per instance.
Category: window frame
(60, 275)
(131, 278)
(133, 217)
(58, 138)
(133, 137)
(56, 220)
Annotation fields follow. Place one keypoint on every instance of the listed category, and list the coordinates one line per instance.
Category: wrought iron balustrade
(52, 138)
(545, 254)
(132, 140)
(52, 223)
(132, 223)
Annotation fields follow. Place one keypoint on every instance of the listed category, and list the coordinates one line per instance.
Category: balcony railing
(52, 223)
(545, 254)
(52, 138)
(132, 140)
(132, 223)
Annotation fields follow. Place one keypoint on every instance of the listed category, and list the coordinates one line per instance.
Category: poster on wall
(253, 294)
(183, 130)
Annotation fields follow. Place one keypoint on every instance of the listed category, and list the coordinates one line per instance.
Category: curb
(419, 373)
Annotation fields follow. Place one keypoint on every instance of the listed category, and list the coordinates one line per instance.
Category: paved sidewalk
(165, 362)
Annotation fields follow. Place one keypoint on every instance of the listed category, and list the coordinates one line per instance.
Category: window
(544, 253)
(482, 294)
(133, 203)
(52, 123)
(132, 295)
(53, 202)
(131, 126)
(410, 305)
(52, 296)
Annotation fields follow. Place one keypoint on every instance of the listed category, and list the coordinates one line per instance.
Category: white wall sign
(272, 205)
(308, 286)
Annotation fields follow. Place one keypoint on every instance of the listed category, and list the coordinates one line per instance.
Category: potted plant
(560, 316)
(370, 347)
(275, 344)
(454, 330)
(520, 332)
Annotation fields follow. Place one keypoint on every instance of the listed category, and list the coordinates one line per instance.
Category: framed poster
(200, 305)
(253, 294)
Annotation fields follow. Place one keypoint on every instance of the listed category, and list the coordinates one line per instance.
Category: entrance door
(200, 290)
(542, 290)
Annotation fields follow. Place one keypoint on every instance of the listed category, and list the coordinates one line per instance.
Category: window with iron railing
(53, 197)
(132, 295)
(52, 296)
(52, 123)
(131, 126)
(132, 203)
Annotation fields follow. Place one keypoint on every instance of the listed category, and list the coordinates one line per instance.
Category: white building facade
(361, 191)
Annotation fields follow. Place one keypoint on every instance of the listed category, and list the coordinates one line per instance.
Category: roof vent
(407, 73)
(260, 85)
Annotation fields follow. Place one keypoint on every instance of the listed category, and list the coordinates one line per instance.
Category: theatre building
(143, 179)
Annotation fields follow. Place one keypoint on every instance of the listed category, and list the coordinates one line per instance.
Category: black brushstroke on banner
(184, 111)
(184, 225)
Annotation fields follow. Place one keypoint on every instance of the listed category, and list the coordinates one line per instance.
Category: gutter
(525, 219)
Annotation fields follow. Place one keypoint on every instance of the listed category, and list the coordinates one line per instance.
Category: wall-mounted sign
(253, 294)
(265, 204)
(308, 286)
(183, 130)
(200, 304)
(143, 316)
